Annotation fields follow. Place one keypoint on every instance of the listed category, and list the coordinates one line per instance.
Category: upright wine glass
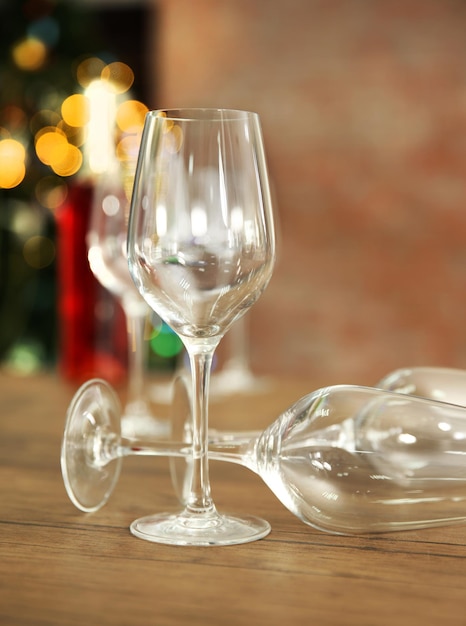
(201, 250)
(106, 241)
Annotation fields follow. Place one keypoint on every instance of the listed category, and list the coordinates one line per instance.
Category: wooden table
(61, 567)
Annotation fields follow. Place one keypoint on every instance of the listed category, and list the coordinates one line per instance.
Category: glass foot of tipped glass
(93, 418)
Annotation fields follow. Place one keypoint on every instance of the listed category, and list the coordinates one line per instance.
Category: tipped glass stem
(111, 448)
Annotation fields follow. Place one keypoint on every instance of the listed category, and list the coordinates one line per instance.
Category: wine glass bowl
(210, 252)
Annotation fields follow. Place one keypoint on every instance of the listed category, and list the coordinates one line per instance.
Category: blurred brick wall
(363, 106)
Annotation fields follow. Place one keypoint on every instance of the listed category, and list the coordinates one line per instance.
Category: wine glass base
(187, 530)
(93, 413)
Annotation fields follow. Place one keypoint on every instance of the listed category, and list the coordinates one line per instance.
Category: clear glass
(106, 241)
(435, 383)
(201, 250)
(93, 419)
(343, 459)
(439, 383)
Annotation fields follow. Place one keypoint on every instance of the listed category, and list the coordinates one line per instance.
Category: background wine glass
(108, 261)
(201, 249)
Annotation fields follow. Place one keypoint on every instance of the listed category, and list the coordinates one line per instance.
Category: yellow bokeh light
(75, 110)
(53, 149)
(11, 174)
(131, 114)
(120, 76)
(88, 70)
(12, 163)
(12, 149)
(29, 54)
(69, 163)
(39, 251)
(51, 145)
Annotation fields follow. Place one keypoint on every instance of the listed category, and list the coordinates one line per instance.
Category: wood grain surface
(60, 567)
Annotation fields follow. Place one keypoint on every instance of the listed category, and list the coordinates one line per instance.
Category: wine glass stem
(241, 453)
(200, 501)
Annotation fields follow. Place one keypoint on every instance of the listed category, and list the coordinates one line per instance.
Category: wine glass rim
(190, 114)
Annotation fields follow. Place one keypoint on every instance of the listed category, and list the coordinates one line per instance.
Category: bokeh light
(12, 163)
(164, 342)
(51, 145)
(53, 149)
(88, 70)
(29, 54)
(25, 358)
(75, 110)
(102, 111)
(69, 163)
(119, 75)
(130, 115)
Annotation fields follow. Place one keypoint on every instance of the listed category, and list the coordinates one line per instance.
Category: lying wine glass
(106, 241)
(344, 459)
